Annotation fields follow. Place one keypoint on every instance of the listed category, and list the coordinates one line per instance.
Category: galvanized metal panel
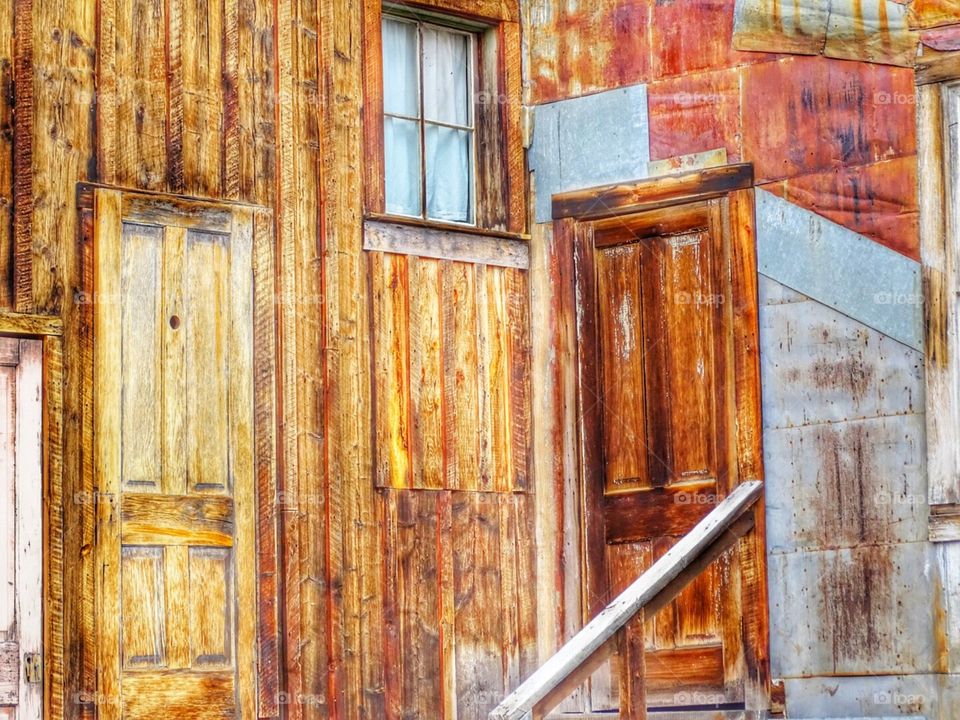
(840, 485)
(589, 141)
(818, 365)
(886, 696)
(839, 268)
(852, 611)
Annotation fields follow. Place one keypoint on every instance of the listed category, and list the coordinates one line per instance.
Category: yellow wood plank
(107, 419)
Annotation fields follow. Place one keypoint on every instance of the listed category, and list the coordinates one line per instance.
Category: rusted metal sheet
(877, 200)
(851, 611)
(695, 113)
(942, 39)
(934, 13)
(839, 485)
(684, 47)
(579, 48)
(819, 114)
(874, 31)
(820, 366)
(839, 268)
(870, 31)
(789, 27)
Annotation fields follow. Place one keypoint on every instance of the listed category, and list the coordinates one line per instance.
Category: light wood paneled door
(21, 529)
(174, 460)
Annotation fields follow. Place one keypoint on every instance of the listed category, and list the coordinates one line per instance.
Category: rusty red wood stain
(876, 200)
(808, 114)
(695, 113)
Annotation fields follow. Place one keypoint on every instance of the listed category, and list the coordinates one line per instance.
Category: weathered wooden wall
(262, 102)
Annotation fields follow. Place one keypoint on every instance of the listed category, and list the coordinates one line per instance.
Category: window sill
(445, 241)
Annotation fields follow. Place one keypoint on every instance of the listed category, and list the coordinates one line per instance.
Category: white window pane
(446, 76)
(402, 166)
(400, 70)
(449, 174)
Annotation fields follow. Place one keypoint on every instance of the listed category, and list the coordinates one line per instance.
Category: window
(429, 120)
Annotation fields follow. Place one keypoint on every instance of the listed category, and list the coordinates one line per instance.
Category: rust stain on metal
(821, 114)
(695, 113)
(579, 48)
(934, 13)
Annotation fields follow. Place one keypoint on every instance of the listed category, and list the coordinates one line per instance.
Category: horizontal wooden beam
(23, 325)
(938, 67)
(652, 193)
(944, 523)
(149, 519)
(539, 693)
(445, 243)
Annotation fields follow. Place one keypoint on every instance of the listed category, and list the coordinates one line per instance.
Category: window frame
(421, 21)
(500, 206)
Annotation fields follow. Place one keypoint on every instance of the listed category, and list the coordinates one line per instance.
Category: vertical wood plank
(7, 121)
(237, 311)
(512, 53)
(175, 117)
(264, 358)
(256, 120)
(426, 376)
(53, 633)
(484, 426)
(448, 606)
(751, 550)
(518, 315)
(107, 421)
(176, 585)
(478, 618)
(30, 535)
(22, 171)
(389, 282)
(201, 48)
(460, 377)
(500, 379)
(174, 362)
(633, 701)
(230, 136)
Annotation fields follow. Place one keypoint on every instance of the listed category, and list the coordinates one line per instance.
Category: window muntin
(429, 120)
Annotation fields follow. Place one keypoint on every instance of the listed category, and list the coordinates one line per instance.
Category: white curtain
(446, 101)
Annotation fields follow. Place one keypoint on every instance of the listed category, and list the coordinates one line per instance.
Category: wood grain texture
(24, 59)
(7, 120)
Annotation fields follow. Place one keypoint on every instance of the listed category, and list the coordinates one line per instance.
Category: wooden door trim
(47, 330)
(652, 193)
(89, 511)
(577, 216)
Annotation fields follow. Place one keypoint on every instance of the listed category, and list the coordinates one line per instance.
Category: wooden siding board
(7, 121)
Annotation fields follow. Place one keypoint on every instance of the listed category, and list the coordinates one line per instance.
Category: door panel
(21, 527)
(663, 318)
(174, 422)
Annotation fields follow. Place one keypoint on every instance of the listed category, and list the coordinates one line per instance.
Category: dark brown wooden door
(660, 410)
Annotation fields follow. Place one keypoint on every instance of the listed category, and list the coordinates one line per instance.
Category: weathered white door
(21, 539)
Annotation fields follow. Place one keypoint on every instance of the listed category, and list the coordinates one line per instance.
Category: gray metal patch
(589, 141)
(840, 268)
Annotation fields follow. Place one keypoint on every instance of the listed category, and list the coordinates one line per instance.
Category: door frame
(151, 207)
(576, 215)
(48, 331)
